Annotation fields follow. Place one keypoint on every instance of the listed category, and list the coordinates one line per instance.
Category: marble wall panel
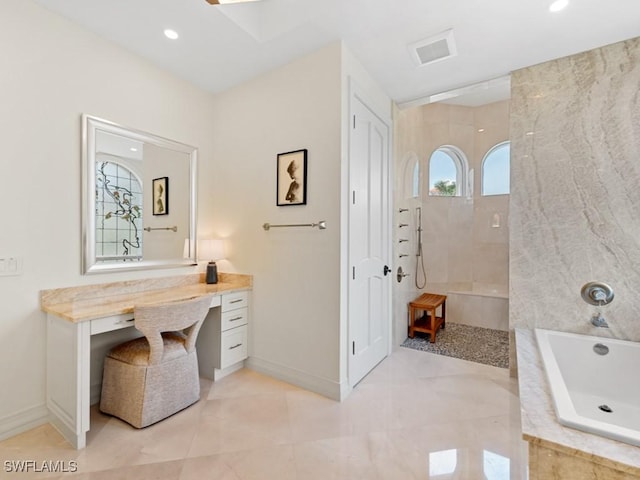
(490, 263)
(492, 114)
(459, 115)
(437, 113)
(478, 310)
(549, 464)
(436, 262)
(575, 198)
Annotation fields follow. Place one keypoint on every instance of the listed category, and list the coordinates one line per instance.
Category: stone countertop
(80, 304)
(539, 420)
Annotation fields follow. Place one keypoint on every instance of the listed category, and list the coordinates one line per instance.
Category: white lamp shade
(211, 249)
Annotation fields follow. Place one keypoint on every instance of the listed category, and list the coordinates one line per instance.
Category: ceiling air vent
(434, 49)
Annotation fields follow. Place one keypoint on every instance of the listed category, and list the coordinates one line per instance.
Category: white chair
(150, 378)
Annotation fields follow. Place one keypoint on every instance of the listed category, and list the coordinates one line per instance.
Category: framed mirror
(138, 199)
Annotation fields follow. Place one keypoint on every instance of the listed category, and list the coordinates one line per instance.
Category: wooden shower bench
(428, 322)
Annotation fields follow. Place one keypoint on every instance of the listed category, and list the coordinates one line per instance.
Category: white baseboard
(23, 420)
(218, 374)
(322, 386)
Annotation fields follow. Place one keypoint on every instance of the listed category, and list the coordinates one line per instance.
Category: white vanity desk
(83, 323)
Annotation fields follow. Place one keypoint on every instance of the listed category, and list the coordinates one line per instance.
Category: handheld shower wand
(419, 256)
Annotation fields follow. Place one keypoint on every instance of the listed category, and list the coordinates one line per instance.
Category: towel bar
(174, 228)
(322, 225)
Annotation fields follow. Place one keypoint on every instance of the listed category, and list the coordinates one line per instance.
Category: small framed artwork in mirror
(292, 178)
(161, 196)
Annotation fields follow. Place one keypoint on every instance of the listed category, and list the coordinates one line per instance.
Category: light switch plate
(10, 266)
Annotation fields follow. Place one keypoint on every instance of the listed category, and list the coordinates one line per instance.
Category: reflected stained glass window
(118, 213)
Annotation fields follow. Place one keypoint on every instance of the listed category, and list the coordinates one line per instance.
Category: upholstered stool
(150, 378)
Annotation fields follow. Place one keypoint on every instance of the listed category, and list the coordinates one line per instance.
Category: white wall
(298, 329)
(294, 332)
(52, 72)
(162, 162)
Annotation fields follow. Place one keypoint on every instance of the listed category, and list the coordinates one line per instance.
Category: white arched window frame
(412, 184)
(415, 183)
(460, 164)
(496, 169)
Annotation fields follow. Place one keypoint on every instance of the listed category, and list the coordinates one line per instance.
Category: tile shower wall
(460, 247)
(575, 198)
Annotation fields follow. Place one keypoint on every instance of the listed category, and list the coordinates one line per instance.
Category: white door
(369, 285)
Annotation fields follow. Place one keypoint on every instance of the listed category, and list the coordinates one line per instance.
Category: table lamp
(212, 250)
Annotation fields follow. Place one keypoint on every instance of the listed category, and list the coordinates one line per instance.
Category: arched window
(447, 172)
(415, 184)
(118, 213)
(496, 170)
(411, 174)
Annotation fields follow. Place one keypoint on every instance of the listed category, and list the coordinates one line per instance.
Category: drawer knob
(235, 319)
(236, 301)
(124, 322)
(235, 346)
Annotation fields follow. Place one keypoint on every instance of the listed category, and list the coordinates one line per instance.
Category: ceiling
(221, 46)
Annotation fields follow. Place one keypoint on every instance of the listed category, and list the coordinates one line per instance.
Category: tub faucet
(598, 294)
(598, 320)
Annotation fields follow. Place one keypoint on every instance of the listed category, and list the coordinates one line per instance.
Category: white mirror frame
(90, 126)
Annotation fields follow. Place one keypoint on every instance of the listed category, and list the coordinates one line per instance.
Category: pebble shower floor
(476, 344)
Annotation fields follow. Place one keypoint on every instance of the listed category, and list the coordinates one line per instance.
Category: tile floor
(417, 415)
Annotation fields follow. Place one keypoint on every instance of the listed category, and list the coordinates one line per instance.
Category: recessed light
(133, 149)
(172, 34)
(480, 130)
(558, 5)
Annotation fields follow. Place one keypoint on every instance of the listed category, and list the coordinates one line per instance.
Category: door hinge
(353, 347)
(354, 121)
(353, 197)
(353, 272)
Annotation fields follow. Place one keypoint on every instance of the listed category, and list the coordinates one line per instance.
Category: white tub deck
(593, 392)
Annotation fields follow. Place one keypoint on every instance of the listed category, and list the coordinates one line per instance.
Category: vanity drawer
(233, 346)
(233, 301)
(108, 324)
(234, 318)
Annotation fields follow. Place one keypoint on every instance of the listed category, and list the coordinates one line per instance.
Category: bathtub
(482, 305)
(594, 383)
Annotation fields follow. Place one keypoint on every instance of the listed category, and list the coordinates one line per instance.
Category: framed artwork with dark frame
(292, 178)
(160, 199)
